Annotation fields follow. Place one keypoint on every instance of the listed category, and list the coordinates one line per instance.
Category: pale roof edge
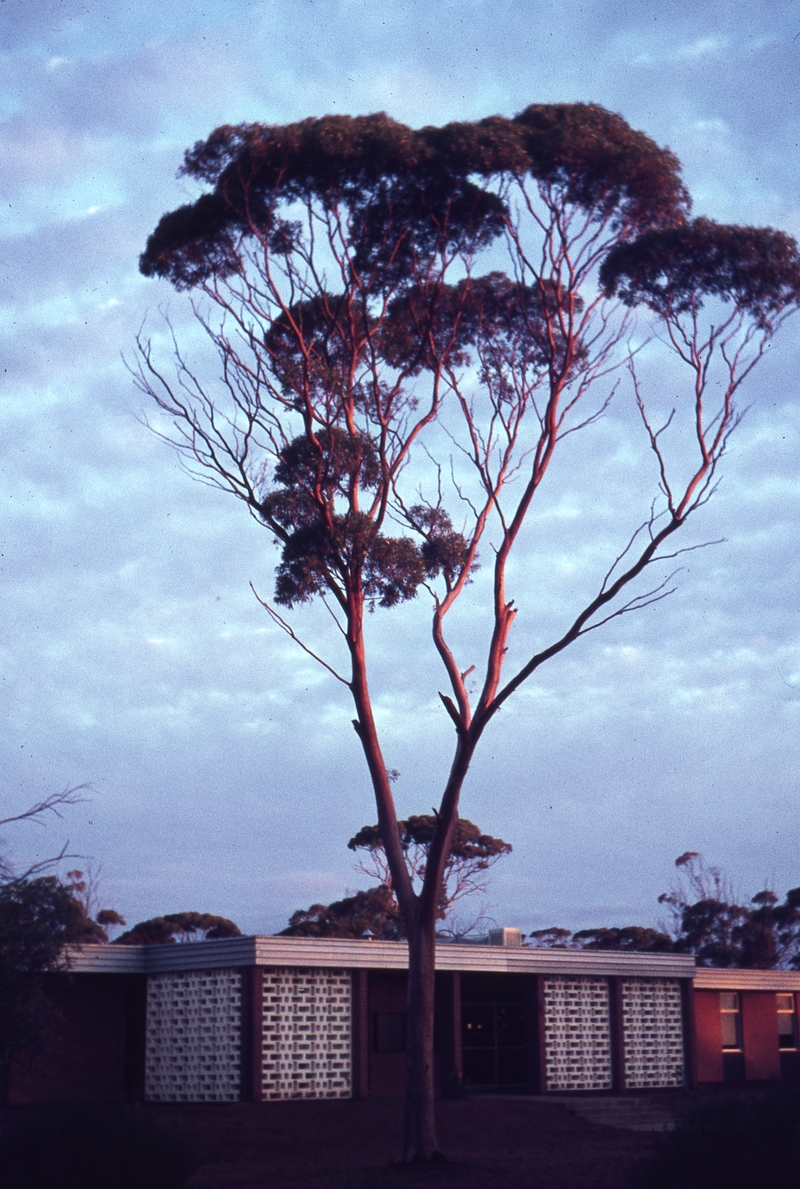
(355, 954)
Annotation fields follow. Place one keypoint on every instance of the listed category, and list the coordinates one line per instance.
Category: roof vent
(505, 936)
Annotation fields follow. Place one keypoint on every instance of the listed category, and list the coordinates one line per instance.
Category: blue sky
(133, 654)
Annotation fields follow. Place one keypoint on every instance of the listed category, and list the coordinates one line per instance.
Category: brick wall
(92, 1050)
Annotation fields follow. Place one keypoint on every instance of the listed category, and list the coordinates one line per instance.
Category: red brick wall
(387, 1071)
(762, 1059)
(708, 1036)
(85, 1054)
(388, 993)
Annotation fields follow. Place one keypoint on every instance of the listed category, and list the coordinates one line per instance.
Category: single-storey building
(257, 1019)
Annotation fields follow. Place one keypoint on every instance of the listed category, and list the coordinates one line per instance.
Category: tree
(709, 922)
(636, 938)
(83, 887)
(372, 913)
(471, 855)
(376, 911)
(341, 266)
(179, 926)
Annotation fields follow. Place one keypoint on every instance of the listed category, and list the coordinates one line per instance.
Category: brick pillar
(541, 1037)
(616, 1023)
(689, 1033)
(533, 1044)
(252, 1034)
(359, 1037)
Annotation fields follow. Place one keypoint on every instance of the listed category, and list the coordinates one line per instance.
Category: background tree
(375, 912)
(370, 913)
(471, 856)
(707, 920)
(380, 297)
(177, 927)
(39, 915)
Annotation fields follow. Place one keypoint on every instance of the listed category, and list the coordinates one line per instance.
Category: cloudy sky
(133, 655)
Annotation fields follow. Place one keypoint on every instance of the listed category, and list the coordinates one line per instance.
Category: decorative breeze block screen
(653, 1031)
(307, 1029)
(193, 1048)
(577, 1034)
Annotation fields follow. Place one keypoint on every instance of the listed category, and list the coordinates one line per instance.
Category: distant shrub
(729, 1143)
(90, 1146)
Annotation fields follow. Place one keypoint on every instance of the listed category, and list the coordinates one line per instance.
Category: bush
(730, 1143)
(93, 1147)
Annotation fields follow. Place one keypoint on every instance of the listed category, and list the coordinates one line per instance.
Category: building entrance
(493, 1030)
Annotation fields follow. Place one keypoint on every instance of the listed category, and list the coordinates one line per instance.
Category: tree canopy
(178, 926)
(370, 913)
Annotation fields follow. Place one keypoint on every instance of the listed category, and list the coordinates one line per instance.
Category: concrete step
(624, 1111)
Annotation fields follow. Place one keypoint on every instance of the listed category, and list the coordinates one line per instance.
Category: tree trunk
(420, 1120)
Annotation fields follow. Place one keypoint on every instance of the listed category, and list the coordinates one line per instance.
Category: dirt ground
(489, 1144)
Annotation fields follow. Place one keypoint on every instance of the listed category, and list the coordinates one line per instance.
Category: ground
(490, 1144)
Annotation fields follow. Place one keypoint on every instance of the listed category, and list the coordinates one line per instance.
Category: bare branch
(290, 632)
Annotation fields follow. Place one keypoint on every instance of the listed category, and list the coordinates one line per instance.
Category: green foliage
(603, 166)
(89, 1146)
(375, 912)
(708, 922)
(672, 269)
(469, 844)
(728, 1143)
(368, 913)
(408, 191)
(719, 931)
(179, 926)
(632, 937)
(397, 208)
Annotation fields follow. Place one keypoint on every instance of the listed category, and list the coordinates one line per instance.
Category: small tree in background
(707, 921)
(472, 854)
(375, 912)
(370, 913)
(409, 324)
(179, 927)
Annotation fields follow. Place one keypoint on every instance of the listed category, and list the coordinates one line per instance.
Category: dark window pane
(786, 1030)
(479, 1067)
(729, 1001)
(477, 1026)
(510, 1067)
(493, 988)
(511, 1026)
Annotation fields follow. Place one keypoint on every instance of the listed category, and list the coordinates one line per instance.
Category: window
(787, 1022)
(390, 1031)
(730, 1019)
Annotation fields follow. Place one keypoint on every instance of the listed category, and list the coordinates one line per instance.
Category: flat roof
(709, 978)
(362, 954)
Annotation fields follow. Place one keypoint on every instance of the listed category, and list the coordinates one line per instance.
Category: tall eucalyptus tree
(366, 286)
